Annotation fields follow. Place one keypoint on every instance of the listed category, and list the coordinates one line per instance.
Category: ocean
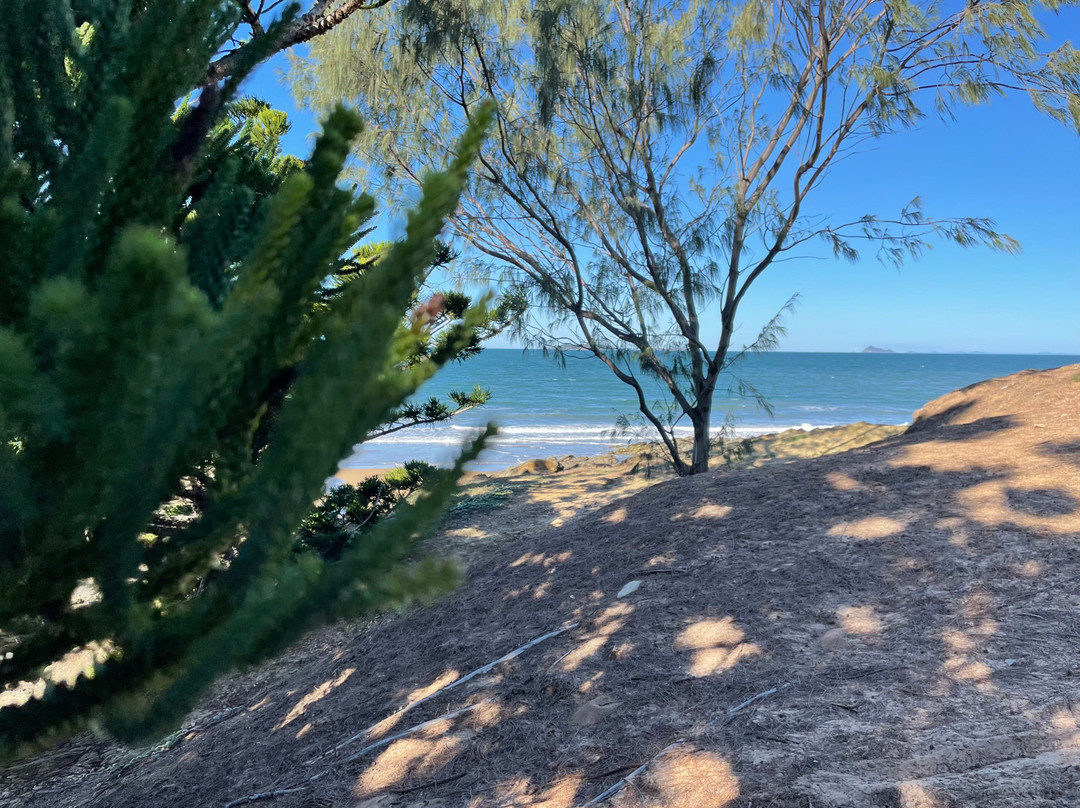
(543, 408)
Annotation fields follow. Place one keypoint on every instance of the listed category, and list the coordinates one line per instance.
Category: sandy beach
(865, 616)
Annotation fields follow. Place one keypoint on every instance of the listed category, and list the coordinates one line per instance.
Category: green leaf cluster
(347, 512)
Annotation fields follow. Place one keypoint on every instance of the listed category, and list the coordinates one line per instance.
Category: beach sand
(893, 624)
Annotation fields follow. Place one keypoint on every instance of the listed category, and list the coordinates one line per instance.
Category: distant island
(875, 349)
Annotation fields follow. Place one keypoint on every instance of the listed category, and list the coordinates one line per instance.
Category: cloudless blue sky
(1004, 161)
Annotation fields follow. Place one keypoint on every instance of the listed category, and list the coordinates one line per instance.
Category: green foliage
(483, 501)
(681, 154)
(732, 451)
(153, 296)
(349, 511)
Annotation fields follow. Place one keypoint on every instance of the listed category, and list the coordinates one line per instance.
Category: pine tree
(141, 330)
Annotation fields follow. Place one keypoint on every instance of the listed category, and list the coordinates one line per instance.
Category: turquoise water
(545, 409)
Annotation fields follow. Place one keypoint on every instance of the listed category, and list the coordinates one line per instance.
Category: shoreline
(841, 437)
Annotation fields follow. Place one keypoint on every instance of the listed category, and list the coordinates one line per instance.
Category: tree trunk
(699, 461)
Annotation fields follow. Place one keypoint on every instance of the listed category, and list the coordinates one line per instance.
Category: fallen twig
(413, 730)
(266, 795)
(739, 707)
(619, 786)
(430, 784)
(478, 672)
(869, 672)
(669, 570)
(175, 738)
(560, 659)
(616, 770)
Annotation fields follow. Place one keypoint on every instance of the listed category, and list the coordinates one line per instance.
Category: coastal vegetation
(194, 329)
(169, 325)
(651, 161)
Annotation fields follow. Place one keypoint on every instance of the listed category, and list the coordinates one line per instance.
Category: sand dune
(891, 625)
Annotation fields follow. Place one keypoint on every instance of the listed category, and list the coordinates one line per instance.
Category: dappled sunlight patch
(560, 794)
(304, 730)
(962, 669)
(1063, 719)
(682, 779)
(996, 502)
(712, 511)
(419, 694)
(1030, 569)
(316, 695)
(957, 641)
(611, 620)
(506, 793)
(85, 594)
(79, 662)
(21, 693)
(587, 649)
(957, 528)
(711, 661)
(589, 684)
(67, 670)
(548, 560)
(965, 663)
(487, 714)
(843, 482)
(444, 679)
(623, 650)
(534, 591)
(1067, 728)
(519, 792)
(976, 605)
(717, 646)
(916, 795)
(872, 527)
(527, 558)
(709, 633)
(616, 517)
(859, 620)
(417, 755)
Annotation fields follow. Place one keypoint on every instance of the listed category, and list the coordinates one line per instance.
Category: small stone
(835, 639)
(629, 589)
(594, 711)
(1010, 662)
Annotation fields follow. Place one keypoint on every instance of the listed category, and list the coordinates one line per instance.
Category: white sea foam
(515, 444)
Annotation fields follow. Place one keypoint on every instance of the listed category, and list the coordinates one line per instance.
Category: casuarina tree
(652, 160)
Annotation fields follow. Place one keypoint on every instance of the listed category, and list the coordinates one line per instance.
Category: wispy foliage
(652, 160)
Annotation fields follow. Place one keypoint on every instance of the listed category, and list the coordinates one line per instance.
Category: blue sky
(1004, 161)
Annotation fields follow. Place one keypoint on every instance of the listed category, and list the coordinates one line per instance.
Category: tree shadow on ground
(894, 626)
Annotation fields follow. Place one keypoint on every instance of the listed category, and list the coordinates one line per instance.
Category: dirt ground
(894, 625)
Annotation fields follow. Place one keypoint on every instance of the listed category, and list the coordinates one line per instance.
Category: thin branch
(322, 18)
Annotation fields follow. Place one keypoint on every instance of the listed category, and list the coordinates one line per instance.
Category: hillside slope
(896, 625)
